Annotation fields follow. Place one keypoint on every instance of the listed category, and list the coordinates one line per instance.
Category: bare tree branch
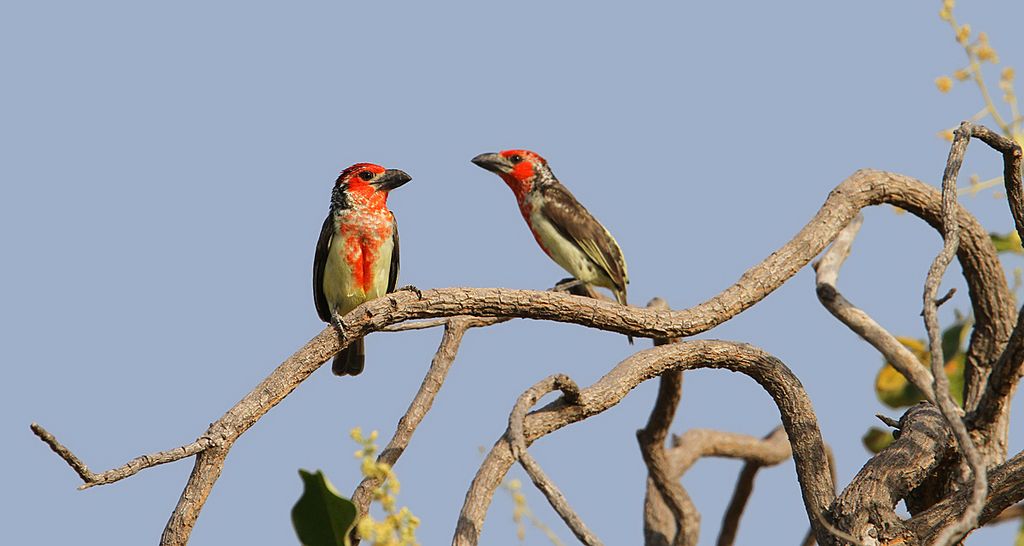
(777, 442)
(785, 389)
(518, 444)
(699, 442)
(951, 241)
(860, 322)
(809, 538)
(865, 507)
(455, 329)
(990, 419)
(685, 526)
(670, 516)
(1006, 487)
(1011, 170)
(1012, 513)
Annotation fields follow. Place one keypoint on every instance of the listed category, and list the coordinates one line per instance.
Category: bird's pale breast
(358, 260)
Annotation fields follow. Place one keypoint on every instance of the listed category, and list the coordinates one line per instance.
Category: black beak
(492, 162)
(391, 179)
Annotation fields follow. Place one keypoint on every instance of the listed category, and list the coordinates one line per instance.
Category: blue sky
(167, 167)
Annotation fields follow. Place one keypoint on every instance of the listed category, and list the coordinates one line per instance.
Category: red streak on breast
(363, 239)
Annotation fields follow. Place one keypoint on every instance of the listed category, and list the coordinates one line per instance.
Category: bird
(356, 257)
(564, 229)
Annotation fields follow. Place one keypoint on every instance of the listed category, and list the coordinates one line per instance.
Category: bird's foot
(567, 284)
(413, 289)
(336, 321)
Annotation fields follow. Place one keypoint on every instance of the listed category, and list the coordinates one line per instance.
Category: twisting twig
(860, 322)
(1011, 170)
(669, 518)
(90, 478)
(659, 474)
(518, 445)
(745, 486)
(696, 443)
(455, 329)
(951, 240)
(990, 418)
(785, 389)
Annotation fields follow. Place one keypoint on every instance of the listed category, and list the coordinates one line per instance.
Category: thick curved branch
(785, 389)
(515, 435)
(951, 241)
(991, 416)
(860, 322)
(1006, 487)
(865, 509)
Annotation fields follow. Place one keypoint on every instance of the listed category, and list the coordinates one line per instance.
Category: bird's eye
(366, 175)
(515, 158)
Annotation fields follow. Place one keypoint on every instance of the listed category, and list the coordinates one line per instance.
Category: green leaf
(1009, 242)
(1020, 534)
(895, 391)
(955, 372)
(891, 387)
(321, 516)
(876, 439)
(953, 339)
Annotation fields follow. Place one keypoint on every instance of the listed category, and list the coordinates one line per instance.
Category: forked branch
(785, 389)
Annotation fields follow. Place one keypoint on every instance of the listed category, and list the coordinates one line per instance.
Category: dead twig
(784, 388)
(860, 322)
(455, 329)
(745, 484)
(951, 241)
(518, 444)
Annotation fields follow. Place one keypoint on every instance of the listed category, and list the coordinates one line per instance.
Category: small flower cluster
(398, 528)
(521, 512)
(980, 51)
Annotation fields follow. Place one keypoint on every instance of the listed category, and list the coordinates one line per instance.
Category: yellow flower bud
(963, 34)
(944, 83)
(986, 53)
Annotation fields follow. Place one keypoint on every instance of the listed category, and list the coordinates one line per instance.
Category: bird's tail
(621, 296)
(350, 360)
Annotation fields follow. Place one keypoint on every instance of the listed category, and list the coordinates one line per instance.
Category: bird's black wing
(323, 246)
(393, 273)
(576, 224)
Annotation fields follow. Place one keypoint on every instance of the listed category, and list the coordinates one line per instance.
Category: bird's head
(519, 169)
(366, 184)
